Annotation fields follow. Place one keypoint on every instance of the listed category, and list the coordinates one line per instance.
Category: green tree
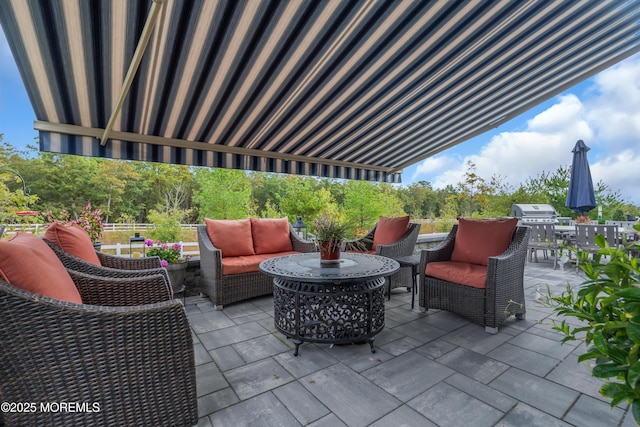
(222, 193)
(473, 191)
(304, 197)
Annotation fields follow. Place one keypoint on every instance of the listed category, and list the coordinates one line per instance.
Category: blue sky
(603, 111)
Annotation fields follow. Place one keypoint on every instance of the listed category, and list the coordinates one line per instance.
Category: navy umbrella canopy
(580, 197)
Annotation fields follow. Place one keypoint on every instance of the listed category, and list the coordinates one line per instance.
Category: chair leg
(490, 330)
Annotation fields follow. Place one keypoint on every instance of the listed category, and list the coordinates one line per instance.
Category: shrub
(165, 227)
(608, 305)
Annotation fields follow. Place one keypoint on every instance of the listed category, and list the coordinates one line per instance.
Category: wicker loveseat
(229, 269)
(489, 303)
(123, 355)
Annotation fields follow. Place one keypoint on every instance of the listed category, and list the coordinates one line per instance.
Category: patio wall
(192, 286)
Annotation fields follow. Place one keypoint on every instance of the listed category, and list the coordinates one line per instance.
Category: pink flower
(148, 242)
(164, 263)
(176, 246)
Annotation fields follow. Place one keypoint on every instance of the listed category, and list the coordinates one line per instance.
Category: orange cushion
(73, 239)
(27, 262)
(247, 264)
(459, 272)
(270, 235)
(478, 239)
(231, 236)
(389, 230)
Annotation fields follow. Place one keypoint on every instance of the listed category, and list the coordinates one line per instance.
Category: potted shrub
(329, 234)
(171, 259)
(608, 305)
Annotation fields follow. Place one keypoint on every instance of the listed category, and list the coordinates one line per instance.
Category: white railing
(110, 227)
(125, 249)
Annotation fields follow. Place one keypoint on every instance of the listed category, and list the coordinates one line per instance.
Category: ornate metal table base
(330, 313)
(341, 303)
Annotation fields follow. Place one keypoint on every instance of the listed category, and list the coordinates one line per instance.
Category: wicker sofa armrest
(210, 266)
(136, 363)
(129, 291)
(301, 245)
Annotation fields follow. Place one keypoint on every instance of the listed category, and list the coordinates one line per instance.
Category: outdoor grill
(534, 213)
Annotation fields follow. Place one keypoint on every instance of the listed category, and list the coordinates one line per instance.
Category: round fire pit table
(338, 303)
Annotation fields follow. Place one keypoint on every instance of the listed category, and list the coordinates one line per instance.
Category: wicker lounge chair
(227, 289)
(127, 349)
(404, 246)
(112, 266)
(491, 306)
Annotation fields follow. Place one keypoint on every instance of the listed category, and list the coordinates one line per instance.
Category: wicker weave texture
(116, 269)
(490, 307)
(135, 361)
(227, 289)
(404, 246)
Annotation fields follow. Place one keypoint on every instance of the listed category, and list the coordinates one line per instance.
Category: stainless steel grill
(534, 213)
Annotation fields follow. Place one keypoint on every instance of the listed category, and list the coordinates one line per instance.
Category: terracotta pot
(177, 272)
(329, 254)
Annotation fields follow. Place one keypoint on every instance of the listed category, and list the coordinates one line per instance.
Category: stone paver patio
(430, 369)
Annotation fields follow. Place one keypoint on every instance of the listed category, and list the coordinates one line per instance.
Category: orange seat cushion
(247, 264)
(270, 235)
(389, 230)
(459, 272)
(72, 239)
(232, 237)
(27, 262)
(479, 239)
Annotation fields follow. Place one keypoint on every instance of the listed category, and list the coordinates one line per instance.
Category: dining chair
(586, 234)
(543, 237)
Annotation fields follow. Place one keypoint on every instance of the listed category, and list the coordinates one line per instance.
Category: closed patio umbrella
(580, 197)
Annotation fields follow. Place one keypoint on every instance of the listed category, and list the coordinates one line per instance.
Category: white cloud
(606, 116)
(615, 111)
(432, 165)
(621, 172)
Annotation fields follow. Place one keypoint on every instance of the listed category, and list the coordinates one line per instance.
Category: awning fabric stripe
(336, 88)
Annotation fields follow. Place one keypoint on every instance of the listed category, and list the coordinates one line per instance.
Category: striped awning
(335, 88)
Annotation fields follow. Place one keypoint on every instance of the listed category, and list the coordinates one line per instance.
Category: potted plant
(583, 219)
(171, 259)
(329, 233)
(607, 308)
(89, 219)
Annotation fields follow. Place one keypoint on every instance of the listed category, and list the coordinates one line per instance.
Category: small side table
(412, 261)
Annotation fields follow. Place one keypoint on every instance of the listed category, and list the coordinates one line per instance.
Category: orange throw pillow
(478, 239)
(231, 236)
(27, 262)
(270, 235)
(73, 239)
(389, 230)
